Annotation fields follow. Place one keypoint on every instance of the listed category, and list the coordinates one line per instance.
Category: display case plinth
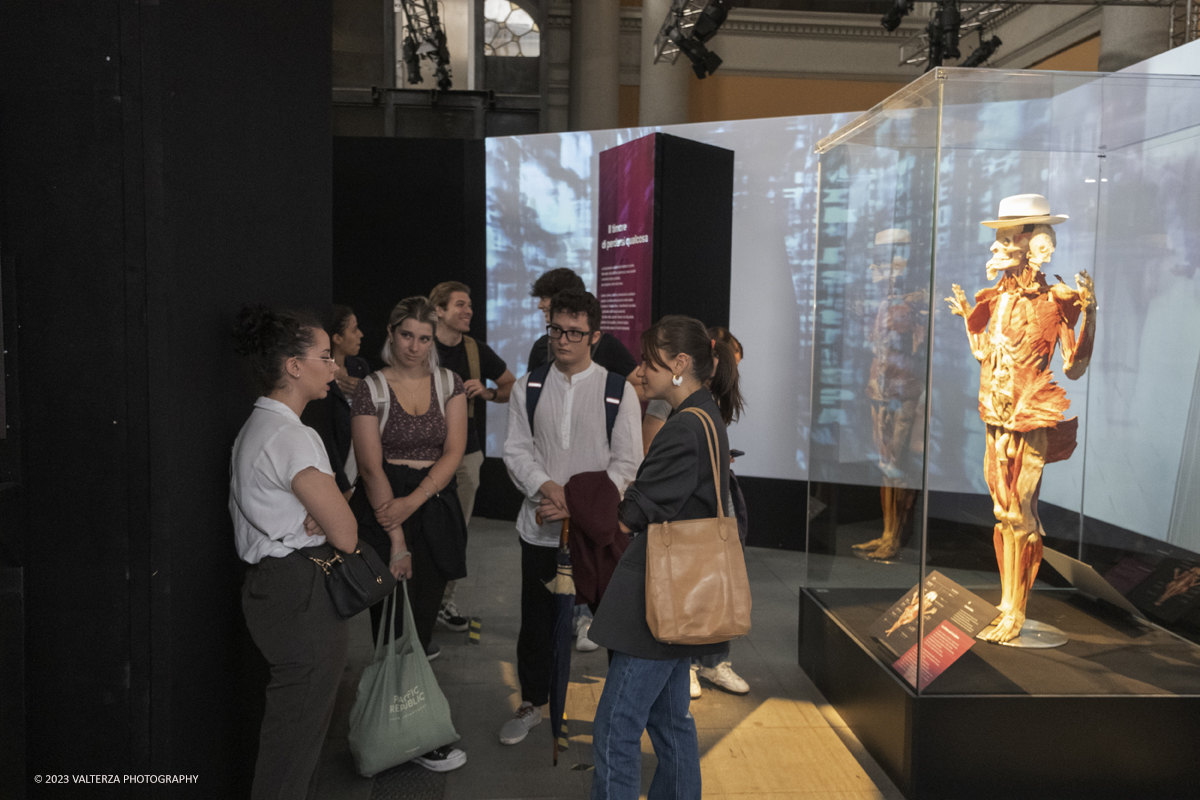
(994, 737)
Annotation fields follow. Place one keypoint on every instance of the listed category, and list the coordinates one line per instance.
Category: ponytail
(725, 382)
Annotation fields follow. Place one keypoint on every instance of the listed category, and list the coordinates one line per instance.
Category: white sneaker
(724, 676)
(694, 680)
(517, 728)
(582, 643)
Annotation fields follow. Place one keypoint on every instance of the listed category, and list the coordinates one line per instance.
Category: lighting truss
(1185, 22)
(976, 16)
(424, 38)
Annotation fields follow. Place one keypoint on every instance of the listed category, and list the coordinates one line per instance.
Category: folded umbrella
(563, 587)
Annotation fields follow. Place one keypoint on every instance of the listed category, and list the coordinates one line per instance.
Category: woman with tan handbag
(655, 622)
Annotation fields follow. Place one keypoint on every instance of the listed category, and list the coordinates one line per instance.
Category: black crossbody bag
(356, 581)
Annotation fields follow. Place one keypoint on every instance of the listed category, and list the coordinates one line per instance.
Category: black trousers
(536, 639)
(291, 619)
(436, 536)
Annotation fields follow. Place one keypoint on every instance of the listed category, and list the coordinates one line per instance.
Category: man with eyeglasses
(567, 434)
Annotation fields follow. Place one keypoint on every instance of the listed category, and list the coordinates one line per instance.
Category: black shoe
(443, 759)
(433, 651)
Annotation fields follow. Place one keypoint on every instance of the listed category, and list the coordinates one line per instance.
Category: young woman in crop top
(407, 506)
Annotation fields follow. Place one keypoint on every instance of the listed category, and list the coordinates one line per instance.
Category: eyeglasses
(317, 358)
(572, 336)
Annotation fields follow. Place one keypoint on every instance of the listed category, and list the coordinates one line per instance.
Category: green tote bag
(400, 712)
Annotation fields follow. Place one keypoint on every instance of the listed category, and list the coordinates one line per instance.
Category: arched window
(509, 30)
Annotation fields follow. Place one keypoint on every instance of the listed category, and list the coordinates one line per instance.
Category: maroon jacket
(595, 539)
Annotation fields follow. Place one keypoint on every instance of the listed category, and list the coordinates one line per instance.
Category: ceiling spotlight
(942, 32)
(704, 61)
(899, 9)
(949, 19)
(689, 24)
(982, 53)
(710, 19)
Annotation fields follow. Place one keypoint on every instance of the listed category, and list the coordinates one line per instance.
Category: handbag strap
(711, 436)
(384, 639)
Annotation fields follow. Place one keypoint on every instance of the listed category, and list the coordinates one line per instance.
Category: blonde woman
(409, 424)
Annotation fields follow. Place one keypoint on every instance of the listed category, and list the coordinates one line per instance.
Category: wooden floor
(780, 741)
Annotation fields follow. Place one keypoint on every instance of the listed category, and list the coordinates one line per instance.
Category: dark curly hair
(267, 337)
(555, 281)
(577, 302)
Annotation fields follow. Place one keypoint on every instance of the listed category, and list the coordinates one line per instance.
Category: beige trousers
(468, 485)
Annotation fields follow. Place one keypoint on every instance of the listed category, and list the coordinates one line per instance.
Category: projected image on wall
(542, 193)
(1138, 406)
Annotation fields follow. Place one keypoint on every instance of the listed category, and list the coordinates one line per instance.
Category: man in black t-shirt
(475, 363)
(608, 352)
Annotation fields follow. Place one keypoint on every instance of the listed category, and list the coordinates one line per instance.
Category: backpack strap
(377, 384)
(533, 390)
(614, 390)
(443, 382)
(472, 348)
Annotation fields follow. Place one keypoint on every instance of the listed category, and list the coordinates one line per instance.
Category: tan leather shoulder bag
(697, 591)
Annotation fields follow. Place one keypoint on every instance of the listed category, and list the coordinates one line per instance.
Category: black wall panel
(160, 166)
(693, 230)
(407, 215)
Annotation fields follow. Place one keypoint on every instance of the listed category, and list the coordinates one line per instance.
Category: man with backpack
(475, 363)
(567, 417)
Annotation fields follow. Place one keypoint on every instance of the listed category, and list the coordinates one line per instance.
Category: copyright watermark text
(93, 779)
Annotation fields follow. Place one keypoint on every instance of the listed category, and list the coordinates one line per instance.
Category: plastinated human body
(896, 382)
(1014, 328)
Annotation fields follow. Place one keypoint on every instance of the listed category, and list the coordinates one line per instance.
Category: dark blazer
(675, 482)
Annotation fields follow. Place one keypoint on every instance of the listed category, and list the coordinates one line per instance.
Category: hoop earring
(677, 380)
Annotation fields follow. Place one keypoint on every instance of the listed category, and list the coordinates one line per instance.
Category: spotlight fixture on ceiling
(899, 10)
(943, 34)
(424, 38)
(688, 26)
(938, 40)
(987, 48)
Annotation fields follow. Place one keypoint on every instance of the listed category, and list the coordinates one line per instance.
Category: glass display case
(1005, 435)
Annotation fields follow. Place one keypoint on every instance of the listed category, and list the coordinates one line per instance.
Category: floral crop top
(407, 437)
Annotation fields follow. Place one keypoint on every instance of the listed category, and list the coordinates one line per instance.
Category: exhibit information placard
(939, 650)
(944, 600)
(625, 261)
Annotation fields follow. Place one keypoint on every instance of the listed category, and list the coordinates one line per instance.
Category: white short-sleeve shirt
(272, 448)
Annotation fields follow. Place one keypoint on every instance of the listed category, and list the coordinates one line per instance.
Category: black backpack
(614, 390)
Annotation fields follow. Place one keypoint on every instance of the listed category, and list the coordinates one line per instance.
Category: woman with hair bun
(647, 684)
(409, 424)
(287, 510)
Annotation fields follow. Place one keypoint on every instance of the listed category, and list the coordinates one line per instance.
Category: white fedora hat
(892, 236)
(1024, 209)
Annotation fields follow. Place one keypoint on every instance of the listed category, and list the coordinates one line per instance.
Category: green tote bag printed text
(400, 712)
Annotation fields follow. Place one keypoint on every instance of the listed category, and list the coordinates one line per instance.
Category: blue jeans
(643, 694)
